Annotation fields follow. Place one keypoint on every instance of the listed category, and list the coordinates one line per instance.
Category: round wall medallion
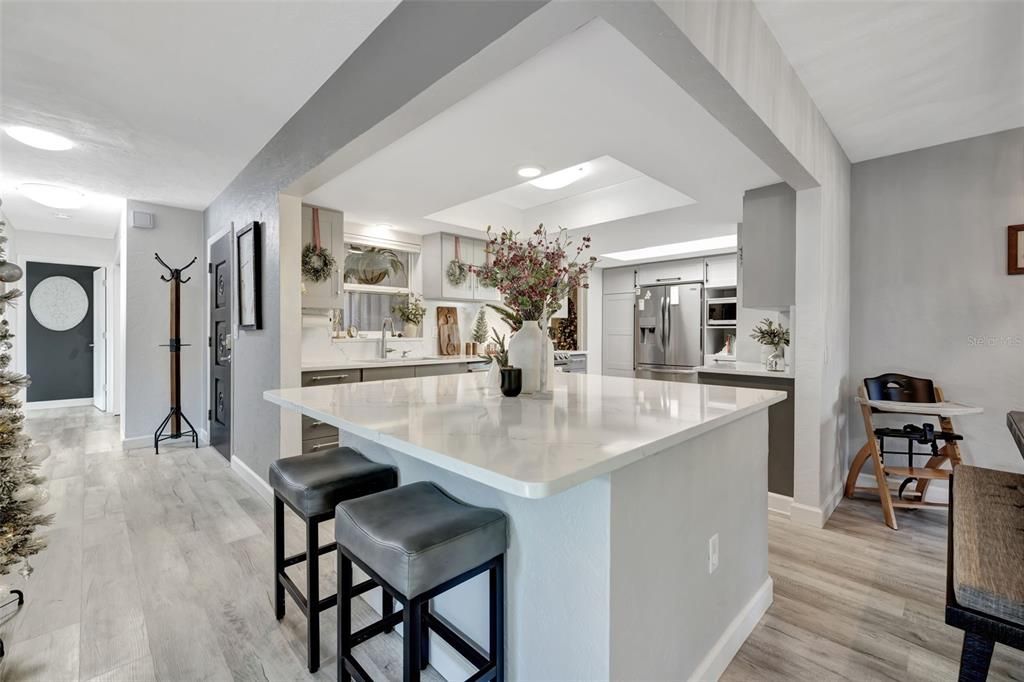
(59, 303)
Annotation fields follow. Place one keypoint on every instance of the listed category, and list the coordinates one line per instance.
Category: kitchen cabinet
(438, 251)
(780, 424)
(441, 370)
(720, 271)
(619, 280)
(670, 272)
(329, 293)
(383, 373)
(617, 333)
(767, 239)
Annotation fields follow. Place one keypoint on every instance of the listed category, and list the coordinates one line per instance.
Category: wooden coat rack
(175, 416)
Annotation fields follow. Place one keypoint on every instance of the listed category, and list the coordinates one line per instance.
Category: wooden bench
(985, 567)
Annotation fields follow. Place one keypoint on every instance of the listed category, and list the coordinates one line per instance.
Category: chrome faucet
(384, 350)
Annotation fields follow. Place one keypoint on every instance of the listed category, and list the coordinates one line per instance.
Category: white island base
(608, 579)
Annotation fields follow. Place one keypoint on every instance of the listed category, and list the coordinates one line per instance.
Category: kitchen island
(638, 515)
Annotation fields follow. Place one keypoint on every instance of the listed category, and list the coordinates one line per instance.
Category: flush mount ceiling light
(677, 249)
(40, 139)
(562, 178)
(52, 195)
(529, 171)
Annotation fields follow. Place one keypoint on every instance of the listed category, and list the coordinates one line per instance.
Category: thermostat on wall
(146, 221)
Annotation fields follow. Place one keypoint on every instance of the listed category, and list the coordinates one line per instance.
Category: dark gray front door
(59, 333)
(220, 345)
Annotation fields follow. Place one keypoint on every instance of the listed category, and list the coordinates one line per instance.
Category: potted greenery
(371, 264)
(774, 336)
(533, 275)
(411, 312)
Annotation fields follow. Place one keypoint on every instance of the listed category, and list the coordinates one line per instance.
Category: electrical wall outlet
(712, 553)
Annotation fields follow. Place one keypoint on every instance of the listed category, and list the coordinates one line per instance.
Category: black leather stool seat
(314, 484)
(417, 537)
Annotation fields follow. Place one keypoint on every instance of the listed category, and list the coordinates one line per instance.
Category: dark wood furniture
(174, 345)
(984, 580)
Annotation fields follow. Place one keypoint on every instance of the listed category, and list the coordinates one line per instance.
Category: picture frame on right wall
(1015, 250)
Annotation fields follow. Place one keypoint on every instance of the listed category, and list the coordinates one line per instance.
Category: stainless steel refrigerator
(667, 331)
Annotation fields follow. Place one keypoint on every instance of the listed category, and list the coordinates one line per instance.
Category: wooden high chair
(901, 394)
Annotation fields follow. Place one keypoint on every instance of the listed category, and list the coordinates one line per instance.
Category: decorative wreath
(317, 263)
(457, 272)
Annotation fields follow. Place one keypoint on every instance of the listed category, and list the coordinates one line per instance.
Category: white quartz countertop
(317, 366)
(754, 369)
(530, 446)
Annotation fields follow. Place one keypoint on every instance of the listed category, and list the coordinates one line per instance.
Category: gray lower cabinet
(382, 373)
(780, 425)
(441, 370)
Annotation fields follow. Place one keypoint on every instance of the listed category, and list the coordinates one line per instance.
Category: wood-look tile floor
(159, 569)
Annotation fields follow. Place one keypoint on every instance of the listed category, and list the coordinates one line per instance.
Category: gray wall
(417, 44)
(930, 293)
(178, 237)
(59, 362)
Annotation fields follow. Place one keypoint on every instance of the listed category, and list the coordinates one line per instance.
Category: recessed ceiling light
(40, 139)
(677, 249)
(62, 216)
(384, 226)
(529, 171)
(52, 195)
(562, 178)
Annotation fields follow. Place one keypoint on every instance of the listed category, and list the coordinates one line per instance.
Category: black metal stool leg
(344, 615)
(312, 596)
(496, 651)
(425, 635)
(278, 557)
(387, 606)
(412, 624)
(975, 658)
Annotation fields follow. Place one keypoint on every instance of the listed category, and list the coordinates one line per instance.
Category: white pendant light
(52, 195)
(40, 139)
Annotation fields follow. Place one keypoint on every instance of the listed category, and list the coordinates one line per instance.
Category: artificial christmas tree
(480, 329)
(22, 494)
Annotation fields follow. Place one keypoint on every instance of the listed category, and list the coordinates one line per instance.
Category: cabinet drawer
(314, 428)
(320, 444)
(331, 376)
(382, 373)
(439, 370)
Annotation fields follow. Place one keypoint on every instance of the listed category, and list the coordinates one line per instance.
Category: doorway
(219, 357)
(65, 334)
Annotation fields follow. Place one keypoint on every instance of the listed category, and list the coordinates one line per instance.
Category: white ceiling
(891, 76)
(590, 95)
(610, 190)
(167, 101)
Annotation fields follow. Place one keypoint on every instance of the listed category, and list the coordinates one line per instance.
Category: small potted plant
(411, 312)
(774, 336)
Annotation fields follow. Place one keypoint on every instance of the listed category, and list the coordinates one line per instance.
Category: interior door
(99, 338)
(219, 415)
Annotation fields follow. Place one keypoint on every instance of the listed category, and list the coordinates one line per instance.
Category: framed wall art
(250, 284)
(1015, 250)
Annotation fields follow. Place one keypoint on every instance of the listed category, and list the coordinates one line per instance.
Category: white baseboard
(816, 516)
(137, 442)
(54, 404)
(938, 491)
(779, 504)
(255, 481)
(727, 646)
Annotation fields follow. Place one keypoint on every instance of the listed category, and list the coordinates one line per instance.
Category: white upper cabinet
(619, 280)
(438, 252)
(328, 293)
(720, 271)
(767, 239)
(670, 272)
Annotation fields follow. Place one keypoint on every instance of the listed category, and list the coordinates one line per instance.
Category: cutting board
(448, 340)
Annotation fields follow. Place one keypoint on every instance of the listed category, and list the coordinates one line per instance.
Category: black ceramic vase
(511, 381)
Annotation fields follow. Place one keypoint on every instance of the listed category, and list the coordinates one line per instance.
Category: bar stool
(312, 485)
(417, 542)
